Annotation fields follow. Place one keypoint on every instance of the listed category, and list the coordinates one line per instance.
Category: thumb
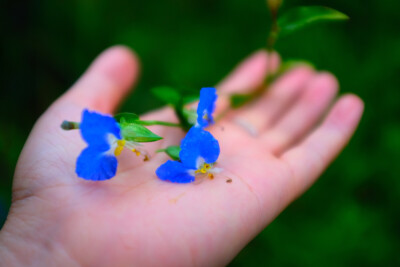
(44, 159)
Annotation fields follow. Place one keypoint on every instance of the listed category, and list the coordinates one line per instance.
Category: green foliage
(167, 95)
(132, 128)
(300, 17)
(126, 117)
(174, 98)
(190, 99)
(138, 133)
(172, 151)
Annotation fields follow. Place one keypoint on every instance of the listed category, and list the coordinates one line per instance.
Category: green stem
(164, 123)
(184, 124)
(273, 34)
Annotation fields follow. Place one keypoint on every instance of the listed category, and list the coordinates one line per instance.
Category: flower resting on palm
(198, 155)
(106, 139)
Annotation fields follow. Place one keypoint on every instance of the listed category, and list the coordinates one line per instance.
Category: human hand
(271, 150)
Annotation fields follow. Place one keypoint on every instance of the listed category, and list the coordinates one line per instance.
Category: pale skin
(272, 151)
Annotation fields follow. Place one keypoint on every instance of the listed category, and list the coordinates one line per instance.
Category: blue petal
(93, 164)
(96, 127)
(175, 172)
(198, 143)
(206, 107)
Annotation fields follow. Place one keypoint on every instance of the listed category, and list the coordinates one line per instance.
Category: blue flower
(102, 133)
(206, 107)
(199, 152)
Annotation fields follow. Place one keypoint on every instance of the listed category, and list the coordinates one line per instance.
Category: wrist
(11, 249)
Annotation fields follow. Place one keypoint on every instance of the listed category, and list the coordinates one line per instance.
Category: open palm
(271, 151)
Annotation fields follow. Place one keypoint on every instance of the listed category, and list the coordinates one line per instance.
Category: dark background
(350, 216)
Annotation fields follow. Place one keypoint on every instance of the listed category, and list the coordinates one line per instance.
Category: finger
(303, 115)
(106, 81)
(247, 76)
(310, 158)
(270, 107)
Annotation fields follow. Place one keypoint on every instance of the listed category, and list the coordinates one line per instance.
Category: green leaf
(138, 133)
(238, 100)
(172, 151)
(126, 117)
(167, 95)
(300, 17)
(190, 99)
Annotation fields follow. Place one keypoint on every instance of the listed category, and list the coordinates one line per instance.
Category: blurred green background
(349, 217)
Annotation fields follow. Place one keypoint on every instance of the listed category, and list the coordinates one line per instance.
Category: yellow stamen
(119, 148)
(137, 152)
(204, 169)
(121, 142)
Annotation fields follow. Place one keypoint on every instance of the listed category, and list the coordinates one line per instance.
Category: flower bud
(69, 125)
